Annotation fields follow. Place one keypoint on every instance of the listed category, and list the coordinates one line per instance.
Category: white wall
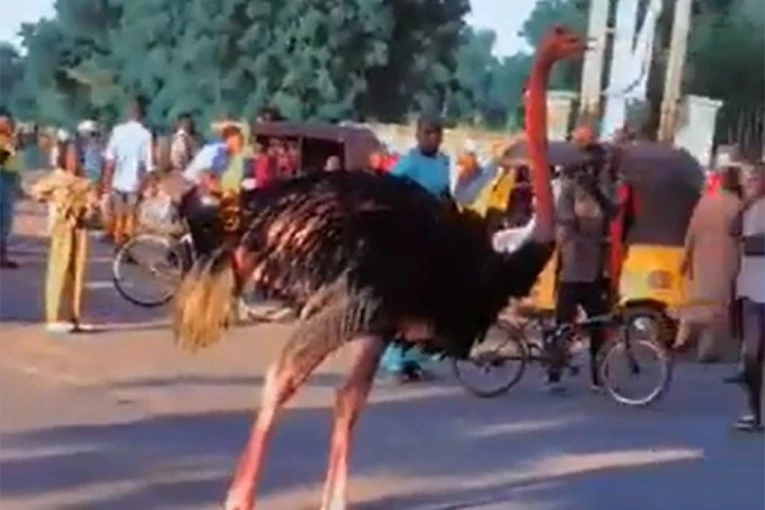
(696, 130)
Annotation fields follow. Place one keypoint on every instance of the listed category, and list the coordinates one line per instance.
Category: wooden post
(671, 99)
(592, 72)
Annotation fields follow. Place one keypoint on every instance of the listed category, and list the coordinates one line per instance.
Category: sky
(503, 16)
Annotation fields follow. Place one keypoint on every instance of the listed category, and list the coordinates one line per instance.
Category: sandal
(748, 424)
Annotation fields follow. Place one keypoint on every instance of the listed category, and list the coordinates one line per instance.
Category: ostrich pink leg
(349, 402)
(244, 263)
(282, 381)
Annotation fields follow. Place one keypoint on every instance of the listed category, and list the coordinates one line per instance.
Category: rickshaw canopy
(666, 182)
(358, 142)
(558, 153)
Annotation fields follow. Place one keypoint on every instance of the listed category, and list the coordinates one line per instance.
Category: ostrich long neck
(536, 139)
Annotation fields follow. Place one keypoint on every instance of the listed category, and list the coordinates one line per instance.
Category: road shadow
(464, 451)
(332, 380)
(22, 298)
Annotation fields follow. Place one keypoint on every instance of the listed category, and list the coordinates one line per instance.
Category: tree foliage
(313, 59)
(336, 59)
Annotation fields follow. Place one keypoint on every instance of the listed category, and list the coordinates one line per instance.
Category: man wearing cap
(584, 211)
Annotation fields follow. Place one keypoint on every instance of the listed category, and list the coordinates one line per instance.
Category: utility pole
(592, 72)
(670, 103)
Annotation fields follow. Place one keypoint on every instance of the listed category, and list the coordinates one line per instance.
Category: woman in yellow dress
(73, 200)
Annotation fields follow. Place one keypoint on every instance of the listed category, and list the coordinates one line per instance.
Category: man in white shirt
(750, 288)
(129, 162)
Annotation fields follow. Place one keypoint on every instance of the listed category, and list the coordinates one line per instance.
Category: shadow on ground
(22, 289)
(211, 380)
(567, 453)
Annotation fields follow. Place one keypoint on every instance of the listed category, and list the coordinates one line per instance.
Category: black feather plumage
(386, 238)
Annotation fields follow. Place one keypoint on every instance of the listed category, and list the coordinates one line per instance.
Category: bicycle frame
(553, 336)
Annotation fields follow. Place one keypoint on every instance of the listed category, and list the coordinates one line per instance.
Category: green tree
(726, 61)
(571, 13)
(418, 73)
(12, 78)
(327, 59)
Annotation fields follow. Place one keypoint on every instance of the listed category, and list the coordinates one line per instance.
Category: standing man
(750, 288)
(710, 262)
(90, 151)
(584, 211)
(10, 166)
(429, 167)
(129, 162)
(185, 143)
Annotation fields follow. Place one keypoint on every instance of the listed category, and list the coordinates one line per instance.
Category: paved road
(122, 420)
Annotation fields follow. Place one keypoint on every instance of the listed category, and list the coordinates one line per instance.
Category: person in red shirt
(713, 183)
(382, 160)
(263, 168)
(289, 160)
(389, 161)
(376, 162)
(620, 224)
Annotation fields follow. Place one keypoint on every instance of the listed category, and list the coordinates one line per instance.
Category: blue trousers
(394, 358)
(9, 188)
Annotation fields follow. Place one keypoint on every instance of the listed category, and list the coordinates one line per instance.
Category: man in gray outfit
(584, 211)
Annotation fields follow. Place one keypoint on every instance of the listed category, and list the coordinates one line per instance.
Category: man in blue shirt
(425, 164)
(429, 168)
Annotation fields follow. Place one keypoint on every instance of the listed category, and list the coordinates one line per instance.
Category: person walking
(710, 262)
(749, 228)
(429, 167)
(72, 197)
(129, 162)
(10, 167)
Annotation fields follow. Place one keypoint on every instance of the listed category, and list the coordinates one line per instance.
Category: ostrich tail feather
(205, 302)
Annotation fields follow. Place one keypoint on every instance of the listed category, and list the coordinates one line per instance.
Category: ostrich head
(560, 43)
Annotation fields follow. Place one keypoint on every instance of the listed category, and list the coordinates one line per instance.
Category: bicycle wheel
(635, 372)
(147, 270)
(498, 361)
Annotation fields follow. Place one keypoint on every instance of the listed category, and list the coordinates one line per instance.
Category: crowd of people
(724, 251)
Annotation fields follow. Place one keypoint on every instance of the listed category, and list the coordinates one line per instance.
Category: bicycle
(163, 259)
(555, 345)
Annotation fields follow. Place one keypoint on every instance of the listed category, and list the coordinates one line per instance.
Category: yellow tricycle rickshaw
(660, 188)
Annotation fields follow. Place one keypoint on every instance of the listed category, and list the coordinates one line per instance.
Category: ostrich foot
(239, 499)
(337, 504)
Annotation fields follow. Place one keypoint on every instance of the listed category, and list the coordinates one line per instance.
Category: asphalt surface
(120, 419)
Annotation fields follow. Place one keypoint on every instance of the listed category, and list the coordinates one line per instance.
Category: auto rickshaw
(495, 202)
(316, 143)
(666, 183)
(661, 186)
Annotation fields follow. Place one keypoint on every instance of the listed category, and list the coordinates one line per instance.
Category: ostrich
(366, 258)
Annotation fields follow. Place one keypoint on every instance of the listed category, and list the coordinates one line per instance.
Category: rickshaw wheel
(619, 354)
